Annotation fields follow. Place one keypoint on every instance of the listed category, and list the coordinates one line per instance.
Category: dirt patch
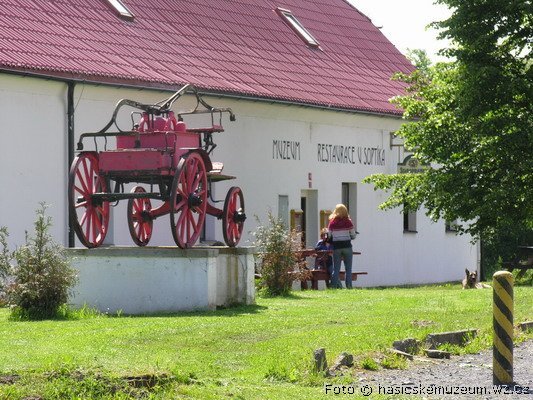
(8, 379)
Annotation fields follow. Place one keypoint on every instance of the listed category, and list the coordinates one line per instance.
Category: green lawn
(252, 352)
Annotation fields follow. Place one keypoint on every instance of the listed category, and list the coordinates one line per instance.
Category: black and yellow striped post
(502, 341)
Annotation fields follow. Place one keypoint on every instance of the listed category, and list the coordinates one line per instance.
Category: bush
(279, 262)
(38, 274)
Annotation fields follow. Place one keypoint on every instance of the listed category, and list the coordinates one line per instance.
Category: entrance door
(310, 228)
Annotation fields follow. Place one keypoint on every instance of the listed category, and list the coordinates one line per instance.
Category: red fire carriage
(173, 164)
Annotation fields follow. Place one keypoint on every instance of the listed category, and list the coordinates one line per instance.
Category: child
(324, 261)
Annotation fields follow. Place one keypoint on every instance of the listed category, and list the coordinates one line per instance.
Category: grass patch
(393, 361)
(369, 364)
(247, 352)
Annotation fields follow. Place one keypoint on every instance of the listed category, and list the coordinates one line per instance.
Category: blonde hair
(340, 212)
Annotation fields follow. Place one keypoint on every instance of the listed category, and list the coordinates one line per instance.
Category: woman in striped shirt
(341, 233)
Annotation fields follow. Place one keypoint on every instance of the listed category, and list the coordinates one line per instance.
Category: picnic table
(523, 261)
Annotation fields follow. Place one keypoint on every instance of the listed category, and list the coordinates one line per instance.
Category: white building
(313, 117)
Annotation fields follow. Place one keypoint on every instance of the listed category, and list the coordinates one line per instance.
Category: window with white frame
(121, 9)
(297, 27)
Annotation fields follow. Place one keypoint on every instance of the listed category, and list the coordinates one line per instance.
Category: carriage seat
(217, 167)
(215, 175)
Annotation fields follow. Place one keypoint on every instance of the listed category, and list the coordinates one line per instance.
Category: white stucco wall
(33, 154)
(34, 169)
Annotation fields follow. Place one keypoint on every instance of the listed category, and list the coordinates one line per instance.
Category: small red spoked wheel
(89, 216)
(233, 216)
(188, 200)
(140, 221)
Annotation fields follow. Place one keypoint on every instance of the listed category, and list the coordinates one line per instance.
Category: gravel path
(469, 373)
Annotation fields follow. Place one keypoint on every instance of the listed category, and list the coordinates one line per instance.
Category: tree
(472, 120)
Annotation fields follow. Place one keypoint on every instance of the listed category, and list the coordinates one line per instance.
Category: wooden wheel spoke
(236, 230)
(198, 182)
(147, 231)
(83, 218)
(98, 222)
(181, 204)
(89, 217)
(191, 170)
(80, 191)
(193, 221)
(82, 204)
(84, 189)
(137, 206)
(94, 218)
(87, 178)
(182, 216)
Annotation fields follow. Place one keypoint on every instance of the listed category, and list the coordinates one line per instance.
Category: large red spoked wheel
(188, 200)
(89, 216)
(233, 216)
(140, 221)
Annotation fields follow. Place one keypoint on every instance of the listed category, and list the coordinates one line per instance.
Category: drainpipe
(70, 144)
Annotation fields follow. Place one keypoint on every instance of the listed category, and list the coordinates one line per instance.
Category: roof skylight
(297, 26)
(121, 9)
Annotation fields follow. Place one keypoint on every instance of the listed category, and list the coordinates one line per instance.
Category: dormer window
(297, 27)
(121, 9)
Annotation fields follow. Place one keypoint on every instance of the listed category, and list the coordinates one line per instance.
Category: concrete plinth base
(162, 279)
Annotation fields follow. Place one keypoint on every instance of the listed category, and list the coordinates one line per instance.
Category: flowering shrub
(279, 264)
(36, 277)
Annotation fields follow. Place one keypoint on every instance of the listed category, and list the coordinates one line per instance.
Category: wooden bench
(322, 274)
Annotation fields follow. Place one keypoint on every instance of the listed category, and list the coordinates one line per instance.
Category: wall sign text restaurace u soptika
(330, 153)
(333, 153)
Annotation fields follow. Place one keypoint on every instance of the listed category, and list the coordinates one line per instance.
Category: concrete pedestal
(162, 279)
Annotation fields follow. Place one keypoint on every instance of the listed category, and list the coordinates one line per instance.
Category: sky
(404, 22)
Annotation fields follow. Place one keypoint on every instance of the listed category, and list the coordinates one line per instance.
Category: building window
(283, 209)
(409, 221)
(452, 226)
(349, 199)
(297, 27)
(121, 9)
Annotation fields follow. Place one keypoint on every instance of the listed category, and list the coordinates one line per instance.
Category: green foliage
(40, 271)
(472, 121)
(525, 279)
(393, 361)
(369, 364)
(69, 382)
(279, 262)
(419, 58)
(5, 263)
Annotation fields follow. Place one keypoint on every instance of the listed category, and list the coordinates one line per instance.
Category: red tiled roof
(241, 47)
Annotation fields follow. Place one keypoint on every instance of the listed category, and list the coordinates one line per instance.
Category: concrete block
(457, 338)
(162, 279)
(526, 326)
(438, 354)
